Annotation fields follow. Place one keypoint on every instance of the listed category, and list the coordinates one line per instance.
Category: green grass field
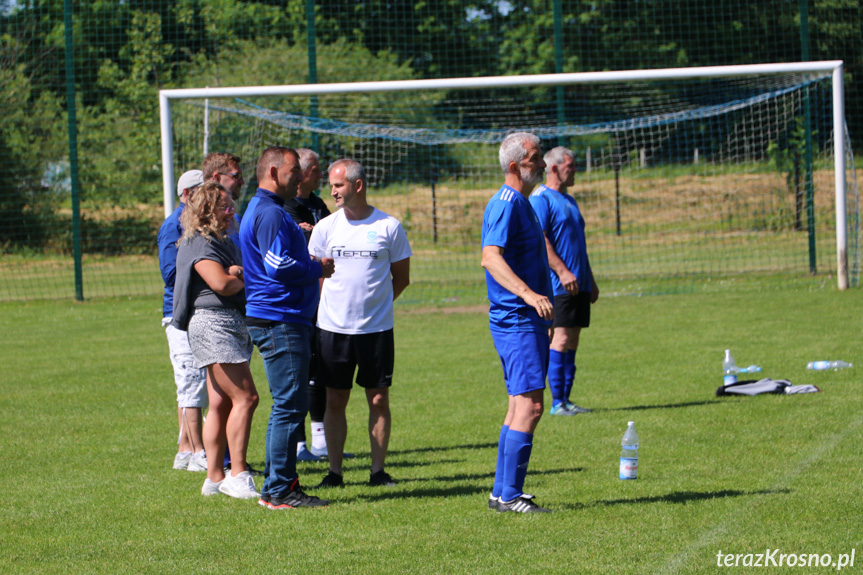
(89, 429)
(447, 276)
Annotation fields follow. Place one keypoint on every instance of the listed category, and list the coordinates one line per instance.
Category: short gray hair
(557, 156)
(307, 156)
(512, 148)
(353, 171)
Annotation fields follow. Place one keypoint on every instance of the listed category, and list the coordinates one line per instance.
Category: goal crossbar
(832, 67)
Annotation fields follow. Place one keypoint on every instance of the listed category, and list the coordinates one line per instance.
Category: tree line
(126, 51)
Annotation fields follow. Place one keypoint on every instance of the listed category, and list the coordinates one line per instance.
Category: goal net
(685, 183)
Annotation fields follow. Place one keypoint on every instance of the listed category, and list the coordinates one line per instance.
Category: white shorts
(191, 380)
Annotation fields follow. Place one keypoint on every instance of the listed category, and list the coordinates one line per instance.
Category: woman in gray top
(209, 303)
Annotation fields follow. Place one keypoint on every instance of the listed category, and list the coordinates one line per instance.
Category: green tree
(118, 136)
(248, 63)
(31, 138)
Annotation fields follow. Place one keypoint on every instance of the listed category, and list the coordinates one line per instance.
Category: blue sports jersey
(169, 233)
(563, 224)
(281, 279)
(509, 223)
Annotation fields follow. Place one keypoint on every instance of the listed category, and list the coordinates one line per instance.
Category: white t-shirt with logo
(358, 298)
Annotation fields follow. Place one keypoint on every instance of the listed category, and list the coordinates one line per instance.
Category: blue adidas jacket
(281, 278)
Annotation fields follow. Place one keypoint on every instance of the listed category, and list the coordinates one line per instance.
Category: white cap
(190, 179)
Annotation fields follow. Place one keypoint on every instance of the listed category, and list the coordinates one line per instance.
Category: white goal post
(835, 67)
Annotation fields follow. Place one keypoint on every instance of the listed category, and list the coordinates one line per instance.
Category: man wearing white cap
(190, 379)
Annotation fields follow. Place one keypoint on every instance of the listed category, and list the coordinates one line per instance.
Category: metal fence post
(73, 149)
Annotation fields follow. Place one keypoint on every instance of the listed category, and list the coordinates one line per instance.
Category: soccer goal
(687, 177)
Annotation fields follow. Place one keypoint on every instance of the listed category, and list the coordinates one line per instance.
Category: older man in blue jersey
(281, 296)
(519, 292)
(571, 275)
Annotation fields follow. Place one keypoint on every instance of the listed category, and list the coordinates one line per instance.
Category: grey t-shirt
(190, 290)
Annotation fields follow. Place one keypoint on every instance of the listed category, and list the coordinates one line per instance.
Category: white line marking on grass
(715, 533)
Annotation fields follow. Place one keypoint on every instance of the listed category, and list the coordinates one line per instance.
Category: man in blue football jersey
(571, 275)
(519, 292)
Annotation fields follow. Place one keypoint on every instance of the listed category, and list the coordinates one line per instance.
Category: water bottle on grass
(729, 369)
(822, 365)
(750, 369)
(629, 454)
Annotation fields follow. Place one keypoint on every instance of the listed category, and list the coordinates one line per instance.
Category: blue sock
(556, 377)
(498, 471)
(516, 458)
(569, 366)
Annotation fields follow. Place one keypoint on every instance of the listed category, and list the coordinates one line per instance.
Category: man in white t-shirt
(355, 316)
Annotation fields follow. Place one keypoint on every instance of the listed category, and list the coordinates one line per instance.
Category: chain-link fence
(79, 129)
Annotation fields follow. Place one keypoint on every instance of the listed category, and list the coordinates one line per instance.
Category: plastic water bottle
(750, 369)
(629, 454)
(822, 365)
(729, 369)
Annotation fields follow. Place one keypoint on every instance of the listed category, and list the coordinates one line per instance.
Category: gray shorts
(219, 335)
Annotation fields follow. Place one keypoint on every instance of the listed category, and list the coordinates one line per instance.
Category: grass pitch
(89, 426)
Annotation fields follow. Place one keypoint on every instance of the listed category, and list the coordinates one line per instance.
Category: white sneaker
(198, 462)
(181, 460)
(319, 451)
(210, 487)
(241, 486)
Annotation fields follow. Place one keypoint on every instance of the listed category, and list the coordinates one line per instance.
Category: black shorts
(372, 355)
(572, 310)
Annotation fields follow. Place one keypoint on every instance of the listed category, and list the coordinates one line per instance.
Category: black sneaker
(381, 478)
(264, 501)
(523, 504)
(296, 498)
(332, 480)
(494, 503)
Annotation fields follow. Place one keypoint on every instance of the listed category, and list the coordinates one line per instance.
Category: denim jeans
(286, 353)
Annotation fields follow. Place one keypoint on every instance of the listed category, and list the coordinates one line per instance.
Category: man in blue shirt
(571, 275)
(519, 292)
(281, 296)
(191, 380)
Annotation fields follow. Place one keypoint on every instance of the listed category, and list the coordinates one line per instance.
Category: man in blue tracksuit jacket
(281, 296)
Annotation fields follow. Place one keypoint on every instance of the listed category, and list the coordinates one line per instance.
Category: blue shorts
(524, 357)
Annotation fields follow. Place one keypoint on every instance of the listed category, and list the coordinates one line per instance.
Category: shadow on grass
(436, 449)
(428, 493)
(361, 463)
(485, 479)
(665, 406)
(680, 497)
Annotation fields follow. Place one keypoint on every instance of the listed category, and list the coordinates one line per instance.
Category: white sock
(300, 446)
(201, 453)
(184, 454)
(319, 440)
